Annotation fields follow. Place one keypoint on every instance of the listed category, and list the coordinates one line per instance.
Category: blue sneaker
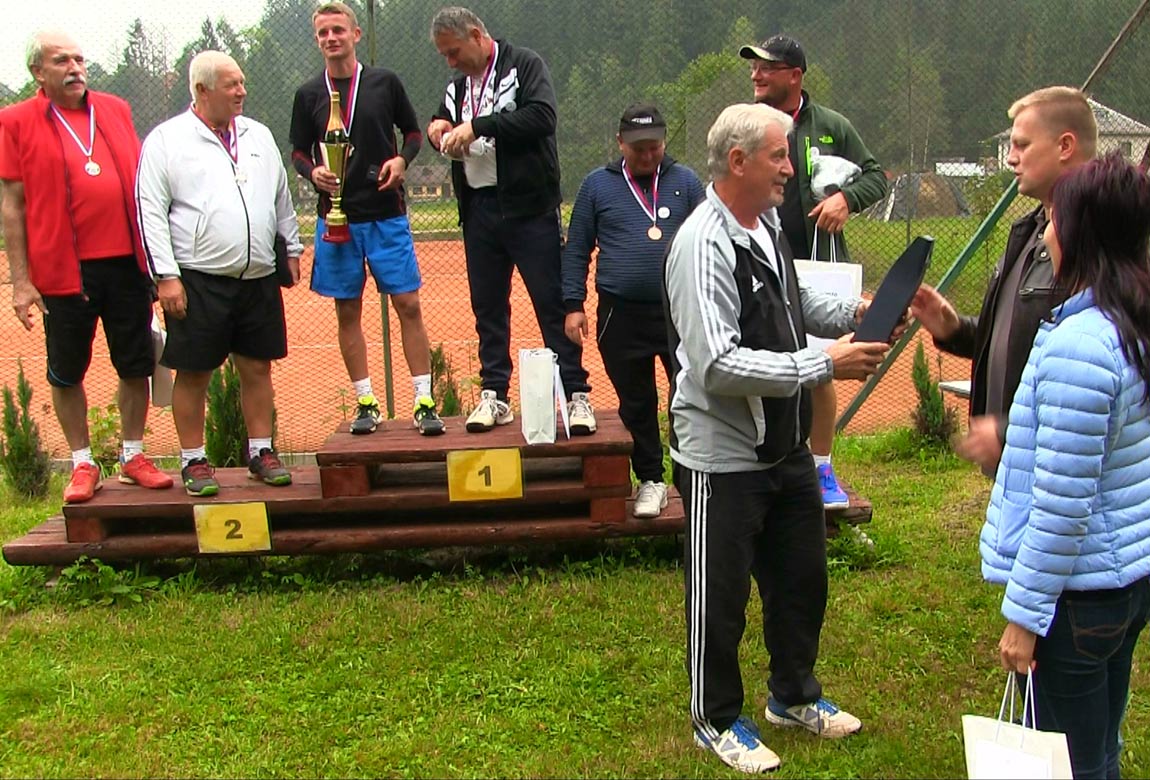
(834, 497)
(821, 717)
(740, 747)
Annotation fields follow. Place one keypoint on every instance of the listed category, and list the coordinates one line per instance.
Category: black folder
(896, 291)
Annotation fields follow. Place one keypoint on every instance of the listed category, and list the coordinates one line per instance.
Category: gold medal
(92, 168)
(654, 233)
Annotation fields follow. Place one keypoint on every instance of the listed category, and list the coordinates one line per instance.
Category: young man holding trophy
(343, 141)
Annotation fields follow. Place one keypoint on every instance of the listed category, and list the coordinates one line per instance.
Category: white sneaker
(821, 717)
(740, 747)
(580, 415)
(489, 413)
(650, 500)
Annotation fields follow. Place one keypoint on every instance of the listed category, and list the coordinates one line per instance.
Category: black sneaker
(367, 416)
(427, 420)
(267, 467)
(199, 478)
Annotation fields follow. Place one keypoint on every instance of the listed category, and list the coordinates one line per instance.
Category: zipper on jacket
(247, 221)
(791, 325)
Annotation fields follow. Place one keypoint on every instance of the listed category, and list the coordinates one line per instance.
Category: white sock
(822, 460)
(131, 449)
(82, 456)
(255, 445)
(422, 385)
(187, 456)
(362, 387)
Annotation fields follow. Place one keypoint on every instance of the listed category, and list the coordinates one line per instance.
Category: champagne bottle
(336, 133)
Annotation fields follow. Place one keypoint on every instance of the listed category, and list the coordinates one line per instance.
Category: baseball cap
(777, 48)
(642, 122)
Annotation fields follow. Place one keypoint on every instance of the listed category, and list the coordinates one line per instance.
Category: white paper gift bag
(843, 279)
(1000, 748)
(540, 390)
(161, 379)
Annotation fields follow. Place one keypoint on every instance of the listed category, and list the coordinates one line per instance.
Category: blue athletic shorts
(387, 248)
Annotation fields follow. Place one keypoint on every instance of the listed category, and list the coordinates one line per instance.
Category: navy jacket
(629, 264)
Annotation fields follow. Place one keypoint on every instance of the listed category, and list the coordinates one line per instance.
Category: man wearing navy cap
(777, 68)
(630, 209)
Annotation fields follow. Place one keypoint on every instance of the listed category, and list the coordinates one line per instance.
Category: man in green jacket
(777, 68)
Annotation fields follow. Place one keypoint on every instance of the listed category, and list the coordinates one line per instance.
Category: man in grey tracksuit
(740, 415)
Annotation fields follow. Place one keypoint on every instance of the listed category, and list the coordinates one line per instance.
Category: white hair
(204, 68)
(742, 125)
(34, 52)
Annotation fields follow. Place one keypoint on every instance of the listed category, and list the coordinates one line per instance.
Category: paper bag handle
(815, 247)
(1028, 706)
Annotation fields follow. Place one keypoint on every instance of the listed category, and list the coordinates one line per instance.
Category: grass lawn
(552, 662)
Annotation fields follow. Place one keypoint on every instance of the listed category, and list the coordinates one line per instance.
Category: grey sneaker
(489, 413)
(427, 420)
(820, 717)
(367, 416)
(199, 478)
(267, 467)
(740, 747)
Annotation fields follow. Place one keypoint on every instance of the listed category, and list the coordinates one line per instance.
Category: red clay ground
(312, 390)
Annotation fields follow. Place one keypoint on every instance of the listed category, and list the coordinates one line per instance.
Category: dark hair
(1102, 220)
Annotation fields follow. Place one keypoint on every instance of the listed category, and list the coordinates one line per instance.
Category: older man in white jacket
(213, 195)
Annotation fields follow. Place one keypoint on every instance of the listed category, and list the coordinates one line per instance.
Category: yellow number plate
(233, 528)
(484, 475)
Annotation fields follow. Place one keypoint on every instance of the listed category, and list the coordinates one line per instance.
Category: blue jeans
(1082, 680)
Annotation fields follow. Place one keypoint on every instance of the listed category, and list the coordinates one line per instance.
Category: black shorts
(225, 315)
(117, 292)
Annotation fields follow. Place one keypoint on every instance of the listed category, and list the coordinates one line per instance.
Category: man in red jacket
(68, 167)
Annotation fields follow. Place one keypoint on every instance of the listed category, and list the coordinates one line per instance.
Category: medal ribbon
(475, 109)
(347, 112)
(651, 210)
(91, 129)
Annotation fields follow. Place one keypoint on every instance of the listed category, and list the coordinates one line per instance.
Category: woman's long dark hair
(1102, 220)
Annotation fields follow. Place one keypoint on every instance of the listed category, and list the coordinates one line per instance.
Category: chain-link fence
(926, 84)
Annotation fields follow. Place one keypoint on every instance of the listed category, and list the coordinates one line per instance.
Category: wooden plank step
(397, 442)
(119, 501)
(47, 544)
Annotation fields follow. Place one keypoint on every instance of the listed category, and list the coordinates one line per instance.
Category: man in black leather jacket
(1054, 131)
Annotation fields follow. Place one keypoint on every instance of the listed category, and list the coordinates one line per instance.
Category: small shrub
(934, 422)
(89, 582)
(444, 385)
(225, 433)
(22, 458)
(104, 437)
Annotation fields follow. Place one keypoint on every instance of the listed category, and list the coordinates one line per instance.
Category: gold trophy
(335, 149)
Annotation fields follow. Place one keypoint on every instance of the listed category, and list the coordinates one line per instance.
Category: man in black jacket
(497, 124)
(1054, 131)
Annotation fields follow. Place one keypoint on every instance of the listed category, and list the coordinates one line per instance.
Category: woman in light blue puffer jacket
(1068, 526)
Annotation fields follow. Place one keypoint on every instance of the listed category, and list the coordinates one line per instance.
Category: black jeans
(632, 335)
(769, 525)
(495, 245)
(1082, 679)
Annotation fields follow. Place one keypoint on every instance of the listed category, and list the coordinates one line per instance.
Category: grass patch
(554, 661)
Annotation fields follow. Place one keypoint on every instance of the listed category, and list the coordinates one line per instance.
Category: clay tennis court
(313, 394)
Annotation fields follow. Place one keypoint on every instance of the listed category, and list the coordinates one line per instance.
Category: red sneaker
(140, 471)
(83, 485)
